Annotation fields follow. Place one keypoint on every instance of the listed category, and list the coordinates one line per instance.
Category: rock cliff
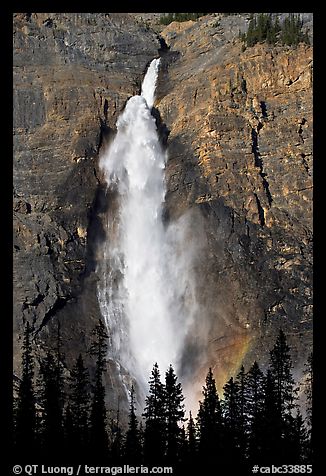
(240, 151)
(73, 74)
(238, 126)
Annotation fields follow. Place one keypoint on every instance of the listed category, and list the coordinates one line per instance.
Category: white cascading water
(145, 293)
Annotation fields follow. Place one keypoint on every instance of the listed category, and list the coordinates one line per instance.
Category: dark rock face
(73, 74)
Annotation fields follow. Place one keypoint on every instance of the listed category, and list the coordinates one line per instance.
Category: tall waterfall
(145, 291)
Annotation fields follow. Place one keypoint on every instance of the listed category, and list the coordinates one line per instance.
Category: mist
(147, 287)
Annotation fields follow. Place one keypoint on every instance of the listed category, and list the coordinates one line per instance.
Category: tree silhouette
(133, 450)
(116, 447)
(52, 399)
(25, 428)
(69, 434)
(295, 439)
(231, 419)
(155, 426)
(257, 422)
(209, 420)
(141, 439)
(98, 432)
(182, 449)
(280, 366)
(271, 440)
(192, 440)
(309, 393)
(286, 395)
(79, 409)
(255, 401)
(241, 382)
(174, 408)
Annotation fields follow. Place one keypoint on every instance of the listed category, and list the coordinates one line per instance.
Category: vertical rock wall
(73, 74)
(240, 155)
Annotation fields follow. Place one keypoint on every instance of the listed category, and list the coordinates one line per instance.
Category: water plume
(146, 292)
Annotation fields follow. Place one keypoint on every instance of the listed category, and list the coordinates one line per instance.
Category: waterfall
(145, 290)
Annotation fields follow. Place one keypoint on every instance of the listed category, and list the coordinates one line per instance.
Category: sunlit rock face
(240, 153)
(238, 130)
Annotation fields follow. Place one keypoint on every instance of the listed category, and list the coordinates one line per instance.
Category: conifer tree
(116, 447)
(271, 440)
(174, 408)
(155, 420)
(231, 419)
(263, 28)
(309, 388)
(182, 448)
(309, 393)
(291, 31)
(255, 401)
(79, 408)
(241, 382)
(69, 433)
(25, 428)
(133, 448)
(192, 438)
(281, 366)
(209, 420)
(295, 439)
(98, 432)
(286, 393)
(52, 399)
(141, 439)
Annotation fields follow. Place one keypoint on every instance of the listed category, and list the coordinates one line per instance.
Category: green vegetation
(265, 27)
(292, 33)
(170, 17)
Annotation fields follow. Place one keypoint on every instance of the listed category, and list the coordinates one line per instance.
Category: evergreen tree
(309, 389)
(180, 17)
(231, 418)
(209, 420)
(273, 31)
(174, 408)
(263, 27)
(271, 440)
(79, 408)
(295, 439)
(182, 448)
(286, 393)
(52, 399)
(155, 426)
(98, 432)
(25, 428)
(132, 445)
(309, 393)
(255, 400)
(69, 433)
(280, 366)
(141, 439)
(116, 447)
(291, 31)
(241, 382)
(192, 439)
(251, 36)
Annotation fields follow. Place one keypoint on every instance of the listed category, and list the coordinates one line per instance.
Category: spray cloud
(146, 292)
